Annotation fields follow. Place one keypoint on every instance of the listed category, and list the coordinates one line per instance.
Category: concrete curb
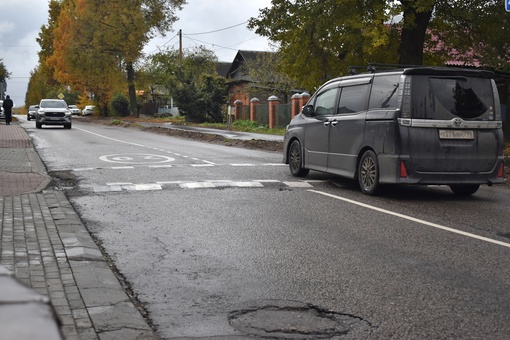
(109, 307)
(74, 293)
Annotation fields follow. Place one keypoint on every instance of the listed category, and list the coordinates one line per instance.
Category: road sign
(61, 95)
(507, 5)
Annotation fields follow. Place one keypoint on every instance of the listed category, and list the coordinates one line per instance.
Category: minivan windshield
(445, 98)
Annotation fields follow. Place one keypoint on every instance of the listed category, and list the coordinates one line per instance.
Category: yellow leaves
(89, 43)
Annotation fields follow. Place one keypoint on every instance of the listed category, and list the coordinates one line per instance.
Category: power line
(158, 47)
(208, 43)
(219, 30)
(187, 35)
(219, 46)
(175, 36)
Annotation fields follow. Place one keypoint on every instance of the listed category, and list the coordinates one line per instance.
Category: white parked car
(88, 110)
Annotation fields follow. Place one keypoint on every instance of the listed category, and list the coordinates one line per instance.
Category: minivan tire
(296, 160)
(38, 125)
(465, 189)
(368, 173)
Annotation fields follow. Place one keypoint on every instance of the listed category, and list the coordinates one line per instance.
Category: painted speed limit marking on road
(136, 158)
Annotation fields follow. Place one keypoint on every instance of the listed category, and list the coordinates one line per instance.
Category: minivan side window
(325, 102)
(353, 99)
(384, 92)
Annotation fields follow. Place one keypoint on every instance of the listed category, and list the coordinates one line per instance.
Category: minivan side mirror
(308, 110)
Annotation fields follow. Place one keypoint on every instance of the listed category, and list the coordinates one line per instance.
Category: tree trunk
(412, 39)
(131, 89)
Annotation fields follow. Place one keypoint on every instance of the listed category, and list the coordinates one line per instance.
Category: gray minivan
(420, 125)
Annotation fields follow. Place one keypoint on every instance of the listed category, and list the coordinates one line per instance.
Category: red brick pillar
(254, 102)
(238, 104)
(296, 100)
(304, 99)
(273, 106)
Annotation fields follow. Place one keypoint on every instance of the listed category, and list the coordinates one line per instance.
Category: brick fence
(274, 113)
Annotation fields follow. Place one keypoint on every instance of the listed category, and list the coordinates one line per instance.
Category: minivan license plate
(456, 134)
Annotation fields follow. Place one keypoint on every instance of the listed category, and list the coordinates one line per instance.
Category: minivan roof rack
(376, 67)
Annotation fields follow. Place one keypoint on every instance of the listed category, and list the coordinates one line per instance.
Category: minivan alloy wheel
(295, 160)
(368, 173)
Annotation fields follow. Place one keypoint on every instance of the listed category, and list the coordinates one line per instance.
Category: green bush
(119, 105)
(202, 101)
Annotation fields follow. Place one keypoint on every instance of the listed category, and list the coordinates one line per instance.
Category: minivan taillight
(501, 171)
(403, 170)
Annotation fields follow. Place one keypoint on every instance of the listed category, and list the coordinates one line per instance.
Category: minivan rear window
(445, 98)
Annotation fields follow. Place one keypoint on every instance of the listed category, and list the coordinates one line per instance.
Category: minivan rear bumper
(390, 172)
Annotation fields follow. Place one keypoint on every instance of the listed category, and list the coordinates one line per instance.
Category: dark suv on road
(53, 112)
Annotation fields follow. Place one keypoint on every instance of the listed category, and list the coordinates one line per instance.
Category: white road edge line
(113, 139)
(417, 220)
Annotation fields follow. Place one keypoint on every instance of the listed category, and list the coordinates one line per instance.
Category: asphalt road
(219, 241)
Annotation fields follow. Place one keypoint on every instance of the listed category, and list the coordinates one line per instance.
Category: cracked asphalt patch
(281, 319)
(63, 180)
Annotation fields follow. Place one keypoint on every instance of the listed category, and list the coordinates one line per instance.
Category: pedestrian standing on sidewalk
(7, 105)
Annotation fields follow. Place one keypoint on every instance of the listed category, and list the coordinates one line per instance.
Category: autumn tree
(269, 77)
(37, 88)
(96, 40)
(476, 31)
(319, 39)
(42, 82)
(45, 40)
(4, 75)
(159, 69)
(200, 94)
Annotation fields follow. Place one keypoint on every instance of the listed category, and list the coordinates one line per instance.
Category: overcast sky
(21, 21)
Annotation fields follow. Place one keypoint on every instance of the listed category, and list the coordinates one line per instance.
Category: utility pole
(180, 48)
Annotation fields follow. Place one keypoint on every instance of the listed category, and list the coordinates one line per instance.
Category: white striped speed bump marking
(136, 158)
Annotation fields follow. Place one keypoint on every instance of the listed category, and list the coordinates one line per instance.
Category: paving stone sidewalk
(46, 248)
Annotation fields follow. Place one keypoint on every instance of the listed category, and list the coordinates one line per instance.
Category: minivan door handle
(334, 123)
(326, 124)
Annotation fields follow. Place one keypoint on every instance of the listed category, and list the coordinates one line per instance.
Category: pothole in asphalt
(63, 179)
(279, 319)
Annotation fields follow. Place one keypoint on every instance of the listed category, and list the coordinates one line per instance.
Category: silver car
(53, 112)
